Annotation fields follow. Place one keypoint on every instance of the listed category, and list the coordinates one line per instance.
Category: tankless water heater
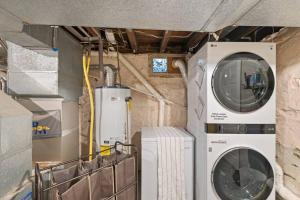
(112, 113)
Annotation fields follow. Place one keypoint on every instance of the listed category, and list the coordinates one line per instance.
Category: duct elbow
(180, 64)
(110, 72)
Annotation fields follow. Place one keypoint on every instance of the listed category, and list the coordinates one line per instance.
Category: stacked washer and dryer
(231, 113)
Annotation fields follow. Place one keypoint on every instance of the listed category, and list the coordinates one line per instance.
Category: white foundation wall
(288, 105)
(145, 109)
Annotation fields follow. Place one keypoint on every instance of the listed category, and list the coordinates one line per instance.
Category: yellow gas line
(86, 67)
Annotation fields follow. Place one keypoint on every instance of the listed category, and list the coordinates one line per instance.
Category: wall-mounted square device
(162, 64)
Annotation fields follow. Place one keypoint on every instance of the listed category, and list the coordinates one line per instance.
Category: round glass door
(242, 174)
(243, 82)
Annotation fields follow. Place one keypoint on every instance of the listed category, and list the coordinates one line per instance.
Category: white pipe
(283, 191)
(182, 67)
(161, 115)
(167, 101)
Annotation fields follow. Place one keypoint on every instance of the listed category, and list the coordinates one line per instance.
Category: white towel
(170, 146)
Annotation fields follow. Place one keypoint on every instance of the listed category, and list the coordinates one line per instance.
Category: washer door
(243, 82)
(242, 174)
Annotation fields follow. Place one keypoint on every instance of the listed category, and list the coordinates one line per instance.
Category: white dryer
(236, 167)
(233, 83)
(149, 157)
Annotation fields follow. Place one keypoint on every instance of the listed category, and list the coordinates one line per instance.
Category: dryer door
(242, 174)
(243, 82)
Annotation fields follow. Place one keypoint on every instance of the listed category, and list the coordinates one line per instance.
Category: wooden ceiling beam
(225, 32)
(74, 32)
(83, 31)
(262, 32)
(194, 40)
(132, 40)
(241, 32)
(165, 40)
(97, 33)
(92, 31)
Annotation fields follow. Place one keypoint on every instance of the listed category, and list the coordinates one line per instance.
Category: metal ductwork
(45, 75)
(39, 38)
(110, 75)
(44, 60)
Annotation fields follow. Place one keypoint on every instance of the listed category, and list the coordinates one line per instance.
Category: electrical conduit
(86, 67)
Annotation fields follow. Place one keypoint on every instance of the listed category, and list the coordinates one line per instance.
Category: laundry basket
(103, 178)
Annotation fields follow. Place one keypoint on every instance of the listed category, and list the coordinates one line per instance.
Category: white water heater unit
(112, 113)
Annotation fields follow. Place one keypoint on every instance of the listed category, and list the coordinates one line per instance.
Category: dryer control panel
(240, 128)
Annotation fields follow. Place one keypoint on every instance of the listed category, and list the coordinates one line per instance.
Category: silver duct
(110, 74)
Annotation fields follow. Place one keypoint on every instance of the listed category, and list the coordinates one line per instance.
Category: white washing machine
(233, 83)
(232, 114)
(235, 167)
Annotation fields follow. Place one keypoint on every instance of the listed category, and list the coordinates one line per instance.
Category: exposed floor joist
(195, 39)
(132, 40)
(84, 31)
(241, 32)
(165, 40)
(74, 32)
(225, 32)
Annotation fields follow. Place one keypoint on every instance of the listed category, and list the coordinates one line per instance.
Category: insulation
(288, 105)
